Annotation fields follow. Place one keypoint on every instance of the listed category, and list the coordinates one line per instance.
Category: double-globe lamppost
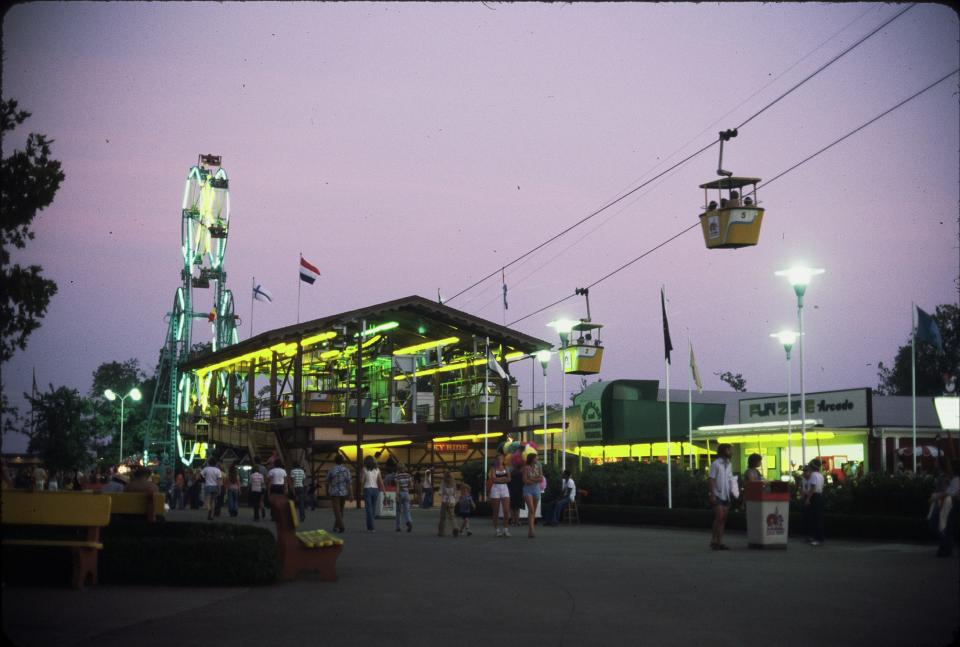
(788, 338)
(543, 356)
(563, 328)
(799, 277)
(134, 395)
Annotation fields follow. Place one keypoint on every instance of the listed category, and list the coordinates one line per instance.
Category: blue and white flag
(260, 294)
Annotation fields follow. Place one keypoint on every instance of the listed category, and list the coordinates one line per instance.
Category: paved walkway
(587, 585)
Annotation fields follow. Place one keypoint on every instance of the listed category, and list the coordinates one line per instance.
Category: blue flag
(928, 330)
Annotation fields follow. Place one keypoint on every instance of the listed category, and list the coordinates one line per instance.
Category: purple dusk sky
(409, 147)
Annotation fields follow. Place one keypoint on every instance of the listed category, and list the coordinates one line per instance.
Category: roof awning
(771, 432)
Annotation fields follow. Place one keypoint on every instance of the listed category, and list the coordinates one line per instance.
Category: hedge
(188, 554)
(878, 527)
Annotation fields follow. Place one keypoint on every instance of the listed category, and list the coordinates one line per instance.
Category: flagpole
(690, 406)
(253, 286)
(913, 378)
(299, 281)
(666, 363)
(486, 412)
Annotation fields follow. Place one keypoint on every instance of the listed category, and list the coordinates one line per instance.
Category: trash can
(387, 504)
(768, 513)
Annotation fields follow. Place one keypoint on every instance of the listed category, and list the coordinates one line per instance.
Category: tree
(931, 364)
(736, 382)
(62, 428)
(120, 377)
(29, 180)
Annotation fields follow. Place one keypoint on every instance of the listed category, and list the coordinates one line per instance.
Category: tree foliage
(931, 364)
(62, 428)
(120, 377)
(735, 381)
(29, 180)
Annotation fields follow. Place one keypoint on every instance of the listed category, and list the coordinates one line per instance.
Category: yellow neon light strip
(549, 431)
(469, 437)
(427, 345)
(314, 339)
(443, 369)
(392, 443)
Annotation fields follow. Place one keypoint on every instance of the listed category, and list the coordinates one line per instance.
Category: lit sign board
(849, 408)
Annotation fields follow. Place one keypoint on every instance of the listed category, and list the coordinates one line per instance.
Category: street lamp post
(134, 395)
(799, 278)
(563, 328)
(788, 338)
(544, 357)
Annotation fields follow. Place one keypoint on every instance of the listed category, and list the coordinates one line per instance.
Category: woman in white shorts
(499, 476)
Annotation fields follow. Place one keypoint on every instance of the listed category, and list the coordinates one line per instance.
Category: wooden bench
(52, 509)
(296, 556)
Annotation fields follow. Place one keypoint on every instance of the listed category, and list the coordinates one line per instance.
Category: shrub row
(188, 554)
(643, 484)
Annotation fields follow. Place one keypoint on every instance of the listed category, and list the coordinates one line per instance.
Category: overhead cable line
(768, 182)
(681, 162)
(824, 66)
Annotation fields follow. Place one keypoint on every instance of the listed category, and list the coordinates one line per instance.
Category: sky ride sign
(849, 408)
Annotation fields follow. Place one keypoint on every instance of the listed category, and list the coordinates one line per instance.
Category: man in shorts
(720, 477)
(212, 479)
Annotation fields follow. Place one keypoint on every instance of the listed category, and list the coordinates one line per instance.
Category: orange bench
(296, 556)
(52, 509)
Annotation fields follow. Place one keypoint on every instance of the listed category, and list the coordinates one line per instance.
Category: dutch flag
(308, 272)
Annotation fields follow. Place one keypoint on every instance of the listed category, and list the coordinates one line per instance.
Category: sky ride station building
(418, 369)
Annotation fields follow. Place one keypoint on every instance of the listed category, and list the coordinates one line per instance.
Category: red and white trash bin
(768, 513)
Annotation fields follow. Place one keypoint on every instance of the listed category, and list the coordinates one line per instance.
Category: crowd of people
(510, 489)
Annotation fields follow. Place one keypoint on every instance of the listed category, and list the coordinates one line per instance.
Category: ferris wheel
(204, 231)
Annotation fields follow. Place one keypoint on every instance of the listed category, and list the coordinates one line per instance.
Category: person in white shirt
(813, 503)
(256, 492)
(278, 481)
(212, 479)
(720, 477)
(372, 484)
(569, 493)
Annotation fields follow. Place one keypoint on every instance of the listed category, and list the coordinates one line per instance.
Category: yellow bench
(52, 509)
(303, 551)
(137, 503)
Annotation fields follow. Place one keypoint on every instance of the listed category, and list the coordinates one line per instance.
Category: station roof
(420, 320)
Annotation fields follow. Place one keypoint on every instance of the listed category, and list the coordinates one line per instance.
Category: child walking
(465, 508)
(448, 501)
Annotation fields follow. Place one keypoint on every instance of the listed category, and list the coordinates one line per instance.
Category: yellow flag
(694, 371)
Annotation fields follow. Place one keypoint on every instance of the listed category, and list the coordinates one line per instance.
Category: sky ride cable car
(733, 219)
(584, 355)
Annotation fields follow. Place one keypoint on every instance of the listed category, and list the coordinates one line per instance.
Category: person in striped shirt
(297, 477)
(403, 481)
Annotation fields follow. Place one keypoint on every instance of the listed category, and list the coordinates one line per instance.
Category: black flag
(667, 346)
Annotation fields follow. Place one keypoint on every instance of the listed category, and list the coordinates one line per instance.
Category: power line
(681, 162)
(773, 179)
(824, 66)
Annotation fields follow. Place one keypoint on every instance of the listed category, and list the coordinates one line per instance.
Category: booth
(768, 513)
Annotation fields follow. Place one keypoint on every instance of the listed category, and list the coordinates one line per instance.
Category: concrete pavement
(586, 585)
